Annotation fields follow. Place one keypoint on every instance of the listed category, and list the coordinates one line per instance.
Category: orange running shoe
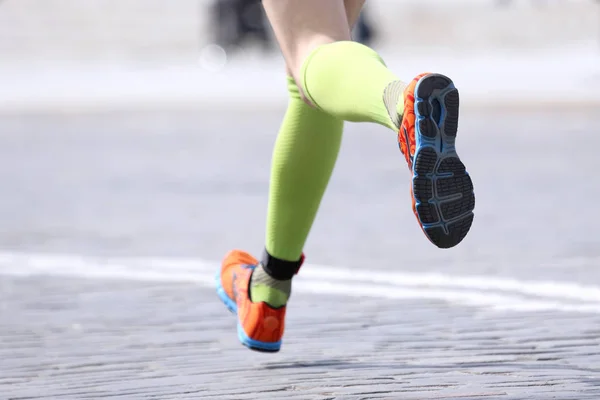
(442, 191)
(260, 327)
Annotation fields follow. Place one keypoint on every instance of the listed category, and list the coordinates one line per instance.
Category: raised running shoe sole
(442, 188)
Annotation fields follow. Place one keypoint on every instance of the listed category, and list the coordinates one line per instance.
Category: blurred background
(146, 127)
(158, 30)
(61, 52)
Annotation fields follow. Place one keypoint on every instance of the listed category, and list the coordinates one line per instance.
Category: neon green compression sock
(305, 153)
(350, 81)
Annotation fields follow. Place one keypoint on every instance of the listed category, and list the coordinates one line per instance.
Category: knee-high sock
(305, 153)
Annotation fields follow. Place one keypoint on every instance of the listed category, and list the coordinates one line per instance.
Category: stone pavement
(89, 339)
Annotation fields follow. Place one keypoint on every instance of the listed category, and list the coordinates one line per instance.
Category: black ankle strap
(280, 269)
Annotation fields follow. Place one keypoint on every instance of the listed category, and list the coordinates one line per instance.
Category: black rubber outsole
(442, 188)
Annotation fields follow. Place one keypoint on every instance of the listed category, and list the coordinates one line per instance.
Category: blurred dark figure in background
(506, 3)
(237, 21)
(363, 30)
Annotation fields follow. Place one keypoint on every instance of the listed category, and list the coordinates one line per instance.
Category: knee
(297, 57)
(300, 53)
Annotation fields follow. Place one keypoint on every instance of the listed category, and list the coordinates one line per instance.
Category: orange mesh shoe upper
(406, 134)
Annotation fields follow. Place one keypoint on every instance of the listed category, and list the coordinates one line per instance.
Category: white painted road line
(479, 291)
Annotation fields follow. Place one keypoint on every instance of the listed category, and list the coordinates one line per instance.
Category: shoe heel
(255, 344)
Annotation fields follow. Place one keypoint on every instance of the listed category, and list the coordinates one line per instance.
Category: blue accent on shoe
(229, 303)
(255, 344)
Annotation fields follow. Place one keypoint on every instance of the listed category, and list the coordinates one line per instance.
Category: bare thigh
(300, 26)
